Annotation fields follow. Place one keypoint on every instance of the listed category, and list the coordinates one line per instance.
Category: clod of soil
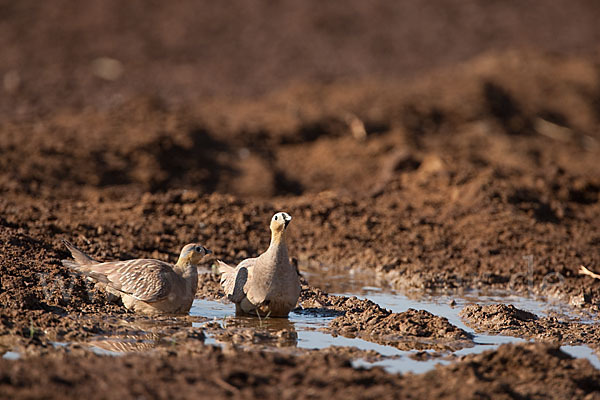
(505, 319)
(412, 329)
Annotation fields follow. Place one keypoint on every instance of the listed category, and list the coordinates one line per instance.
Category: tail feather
(86, 271)
(80, 257)
(224, 268)
(70, 264)
(97, 276)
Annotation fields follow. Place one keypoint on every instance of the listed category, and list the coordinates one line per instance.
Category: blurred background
(251, 97)
(70, 53)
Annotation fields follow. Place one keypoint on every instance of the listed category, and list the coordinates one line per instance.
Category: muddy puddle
(309, 329)
(450, 307)
(309, 335)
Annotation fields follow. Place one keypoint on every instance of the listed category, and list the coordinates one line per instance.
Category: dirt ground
(439, 147)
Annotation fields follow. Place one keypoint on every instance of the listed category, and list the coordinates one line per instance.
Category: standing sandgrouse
(146, 286)
(267, 285)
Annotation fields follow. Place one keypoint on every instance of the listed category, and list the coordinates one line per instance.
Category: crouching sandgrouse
(146, 286)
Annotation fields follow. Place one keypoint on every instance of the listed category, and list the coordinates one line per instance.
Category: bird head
(280, 221)
(192, 253)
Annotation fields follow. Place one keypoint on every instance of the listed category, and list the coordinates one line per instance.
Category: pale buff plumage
(267, 285)
(145, 286)
(584, 271)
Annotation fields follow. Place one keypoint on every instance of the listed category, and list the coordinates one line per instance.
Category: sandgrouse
(267, 285)
(145, 286)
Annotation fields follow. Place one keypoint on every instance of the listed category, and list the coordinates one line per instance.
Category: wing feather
(144, 279)
(234, 280)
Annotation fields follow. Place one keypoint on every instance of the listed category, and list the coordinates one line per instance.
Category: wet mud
(513, 370)
(505, 319)
(412, 329)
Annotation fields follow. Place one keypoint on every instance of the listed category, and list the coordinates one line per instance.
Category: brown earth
(447, 146)
(512, 371)
(412, 329)
(503, 319)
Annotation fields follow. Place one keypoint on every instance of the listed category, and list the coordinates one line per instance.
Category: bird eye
(198, 249)
(276, 218)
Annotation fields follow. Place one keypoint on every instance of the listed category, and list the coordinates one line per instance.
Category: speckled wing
(145, 280)
(234, 280)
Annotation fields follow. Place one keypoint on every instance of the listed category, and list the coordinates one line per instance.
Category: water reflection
(243, 330)
(139, 334)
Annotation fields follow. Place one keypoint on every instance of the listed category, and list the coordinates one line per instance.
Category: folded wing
(145, 280)
(234, 280)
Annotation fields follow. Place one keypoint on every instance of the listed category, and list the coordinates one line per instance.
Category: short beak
(207, 251)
